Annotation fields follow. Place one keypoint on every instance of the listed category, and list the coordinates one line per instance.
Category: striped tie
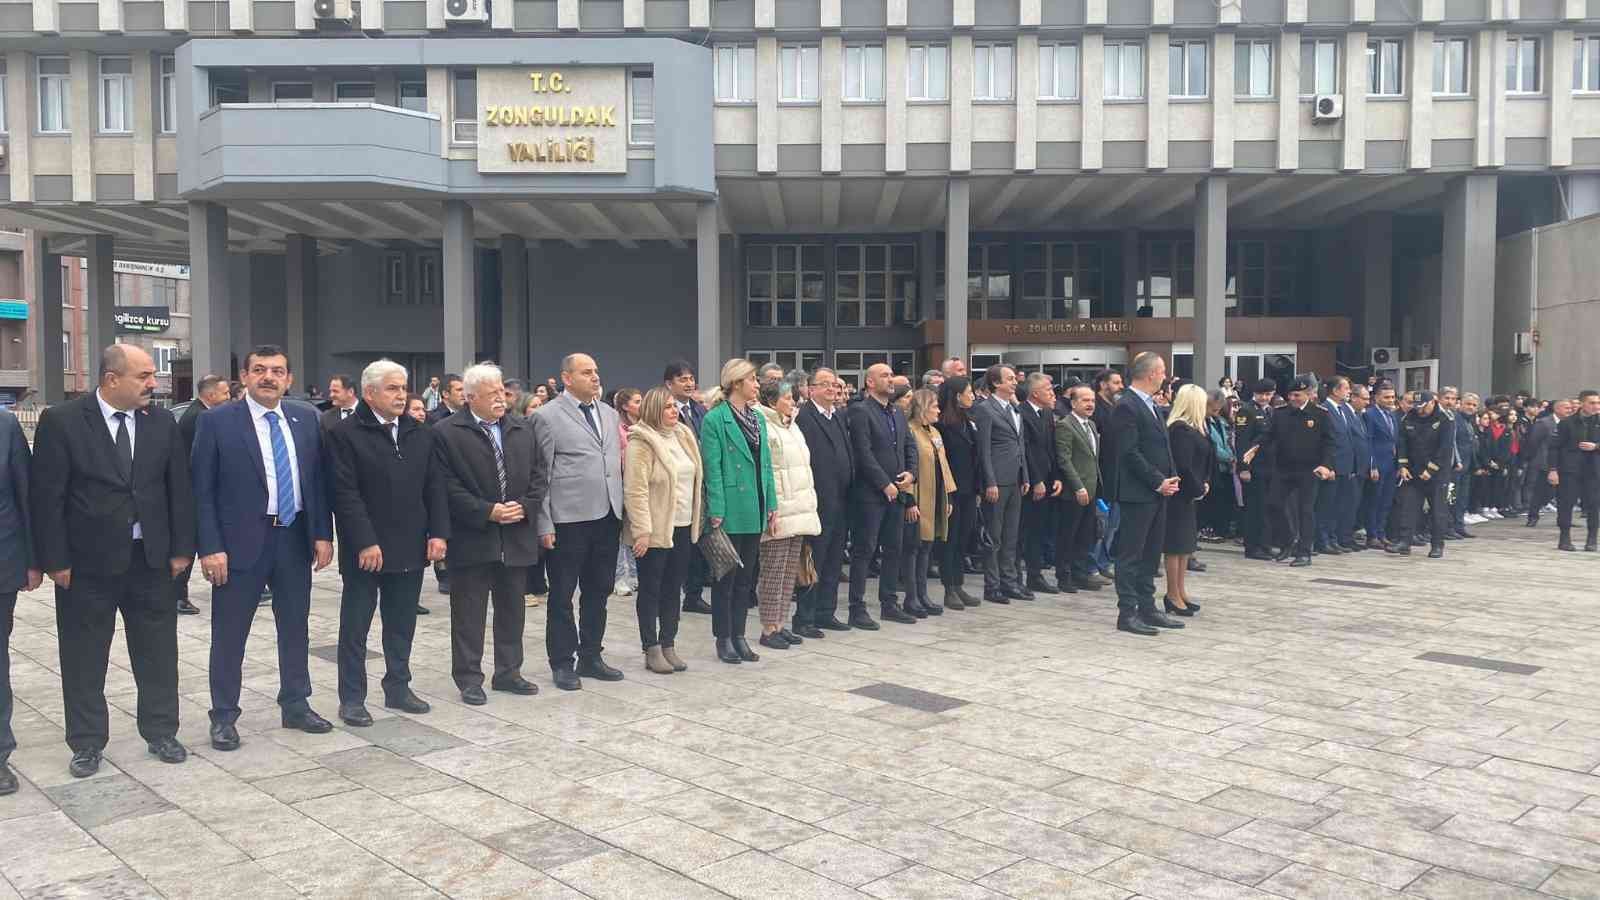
(499, 458)
(285, 474)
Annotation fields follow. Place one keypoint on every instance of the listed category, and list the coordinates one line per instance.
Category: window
(285, 91)
(464, 107)
(355, 92)
(790, 360)
(428, 278)
(863, 72)
(1522, 65)
(164, 292)
(116, 95)
(55, 81)
(1586, 63)
(797, 73)
(1187, 68)
(1124, 70)
(228, 89)
(1319, 68)
(875, 284)
(927, 72)
(414, 95)
(163, 354)
(989, 281)
(169, 95)
(642, 108)
(1450, 66)
(1384, 78)
(1166, 286)
(395, 278)
(736, 73)
(784, 285)
(851, 365)
(1252, 69)
(3, 128)
(992, 65)
(1058, 71)
(1061, 280)
(66, 351)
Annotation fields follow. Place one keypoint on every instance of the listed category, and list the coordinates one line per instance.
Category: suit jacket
(16, 536)
(1144, 453)
(1540, 439)
(1001, 460)
(439, 413)
(1076, 457)
(879, 455)
(584, 469)
(1575, 463)
(465, 458)
(83, 509)
(1194, 458)
(961, 449)
(740, 487)
(833, 465)
(384, 494)
(230, 481)
(188, 423)
(1342, 426)
(1039, 443)
(1381, 428)
(696, 417)
(330, 417)
(1358, 435)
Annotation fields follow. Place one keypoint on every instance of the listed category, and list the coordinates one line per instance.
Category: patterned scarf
(746, 421)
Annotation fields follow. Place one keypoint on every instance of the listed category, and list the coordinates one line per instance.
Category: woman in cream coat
(797, 511)
(662, 487)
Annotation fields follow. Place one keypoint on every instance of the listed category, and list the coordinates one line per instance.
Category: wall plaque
(571, 120)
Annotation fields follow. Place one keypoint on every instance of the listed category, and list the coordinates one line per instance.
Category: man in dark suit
(885, 456)
(1336, 493)
(211, 391)
(393, 519)
(1577, 447)
(264, 521)
(1077, 450)
(1141, 480)
(1107, 389)
(113, 521)
(1044, 491)
(1298, 447)
(17, 569)
(1249, 422)
(832, 472)
(1355, 512)
(491, 472)
(1003, 474)
(452, 399)
(1540, 458)
(1382, 428)
(342, 394)
(679, 379)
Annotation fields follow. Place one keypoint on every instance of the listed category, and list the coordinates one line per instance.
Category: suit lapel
(736, 435)
(252, 443)
(575, 410)
(102, 435)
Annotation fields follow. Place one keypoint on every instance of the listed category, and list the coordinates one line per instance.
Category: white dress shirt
(109, 412)
(258, 415)
(1094, 442)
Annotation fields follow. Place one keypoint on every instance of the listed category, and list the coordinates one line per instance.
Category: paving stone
(1197, 852)
(923, 883)
(408, 737)
(307, 785)
(120, 883)
(616, 875)
(1325, 853)
(1159, 878)
(185, 846)
(472, 811)
(1443, 884)
(93, 802)
(546, 845)
(1442, 851)
(1525, 841)
(1572, 883)
(1059, 847)
(734, 819)
(1308, 883)
(671, 843)
(1034, 880)
(930, 846)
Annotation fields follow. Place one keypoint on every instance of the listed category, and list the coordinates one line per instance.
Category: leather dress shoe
(860, 619)
(1019, 594)
(355, 715)
(697, 605)
(1463, 533)
(895, 614)
(307, 721)
(1086, 583)
(423, 610)
(1066, 586)
(952, 600)
(474, 696)
(1132, 625)
(1377, 544)
(997, 597)
(168, 750)
(1107, 574)
(1178, 610)
(727, 653)
(774, 641)
(1329, 550)
(224, 737)
(811, 631)
(566, 678)
(595, 667)
(410, 703)
(1451, 536)
(1040, 586)
(742, 647)
(1281, 555)
(913, 607)
(84, 763)
(1157, 619)
(8, 780)
(790, 636)
(1300, 562)
(185, 608)
(1196, 565)
(1352, 547)
(1436, 553)
(1399, 549)
(966, 598)
(832, 623)
(1533, 521)
(932, 609)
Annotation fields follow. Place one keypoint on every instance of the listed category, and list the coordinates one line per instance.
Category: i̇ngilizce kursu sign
(548, 121)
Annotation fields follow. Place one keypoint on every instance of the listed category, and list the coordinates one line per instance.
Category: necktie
(588, 416)
(124, 447)
(499, 458)
(394, 433)
(285, 474)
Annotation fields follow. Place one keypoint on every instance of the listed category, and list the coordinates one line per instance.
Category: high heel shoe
(727, 652)
(742, 647)
(1178, 610)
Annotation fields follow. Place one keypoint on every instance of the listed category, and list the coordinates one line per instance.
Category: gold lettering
(559, 152)
(538, 81)
(556, 85)
(583, 150)
(577, 116)
(591, 116)
(522, 115)
(536, 115)
(608, 116)
(489, 115)
(544, 151)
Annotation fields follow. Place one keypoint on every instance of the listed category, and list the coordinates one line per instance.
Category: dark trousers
(8, 615)
(1255, 511)
(1412, 494)
(537, 582)
(1038, 531)
(1537, 490)
(963, 520)
(661, 574)
(821, 600)
(1457, 519)
(1139, 539)
(284, 566)
(734, 594)
(180, 585)
(876, 524)
(1349, 496)
(1075, 533)
(1294, 496)
(441, 576)
(1383, 492)
(694, 583)
(1574, 488)
(395, 594)
(471, 588)
(584, 562)
(1329, 504)
(1217, 507)
(1004, 519)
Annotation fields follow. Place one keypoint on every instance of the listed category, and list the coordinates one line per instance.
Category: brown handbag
(808, 567)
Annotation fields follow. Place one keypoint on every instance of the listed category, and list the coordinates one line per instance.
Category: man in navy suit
(1381, 427)
(1354, 513)
(264, 522)
(1141, 479)
(1334, 495)
(885, 458)
(679, 379)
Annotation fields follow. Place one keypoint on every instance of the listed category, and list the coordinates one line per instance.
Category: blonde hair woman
(797, 511)
(1193, 460)
(932, 493)
(662, 488)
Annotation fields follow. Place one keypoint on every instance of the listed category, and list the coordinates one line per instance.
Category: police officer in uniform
(1298, 446)
(1575, 469)
(1249, 423)
(1424, 450)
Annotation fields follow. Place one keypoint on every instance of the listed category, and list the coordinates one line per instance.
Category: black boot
(742, 647)
(726, 651)
(1566, 541)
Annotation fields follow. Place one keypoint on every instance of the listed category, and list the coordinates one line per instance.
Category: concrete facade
(1545, 286)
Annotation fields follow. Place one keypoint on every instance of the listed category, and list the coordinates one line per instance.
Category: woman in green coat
(741, 498)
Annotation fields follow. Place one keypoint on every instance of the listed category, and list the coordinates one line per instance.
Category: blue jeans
(1108, 535)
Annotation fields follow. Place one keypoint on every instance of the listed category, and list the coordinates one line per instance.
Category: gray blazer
(585, 472)
(1001, 462)
(16, 538)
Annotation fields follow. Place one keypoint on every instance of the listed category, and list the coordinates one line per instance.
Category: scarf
(747, 425)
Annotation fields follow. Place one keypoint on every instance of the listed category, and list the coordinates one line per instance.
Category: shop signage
(155, 270)
(569, 120)
(1072, 327)
(143, 319)
(13, 309)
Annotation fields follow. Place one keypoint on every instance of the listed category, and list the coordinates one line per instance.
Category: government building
(1251, 187)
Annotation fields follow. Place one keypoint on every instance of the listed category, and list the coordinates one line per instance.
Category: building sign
(143, 319)
(13, 309)
(154, 270)
(570, 120)
(1073, 327)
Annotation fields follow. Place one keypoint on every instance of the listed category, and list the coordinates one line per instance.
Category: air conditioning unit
(1327, 108)
(466, 12)
(1523, 343)
(1385, 356)
(333, 10)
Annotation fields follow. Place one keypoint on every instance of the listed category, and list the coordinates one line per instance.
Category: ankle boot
(742, 647)
(952, 599)
(1566, 541)
(656, 662)
(726, 651)
(673, 660)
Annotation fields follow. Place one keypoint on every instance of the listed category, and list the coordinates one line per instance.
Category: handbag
(808, 567)
(721, 556)
(982, 541)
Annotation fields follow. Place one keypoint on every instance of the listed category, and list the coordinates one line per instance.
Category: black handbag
(982, 541)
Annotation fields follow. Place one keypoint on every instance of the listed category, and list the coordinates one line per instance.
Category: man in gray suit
(1003, 469)
(580, 522)
(17, 570)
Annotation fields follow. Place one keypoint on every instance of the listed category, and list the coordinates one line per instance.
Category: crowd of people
(777, 490)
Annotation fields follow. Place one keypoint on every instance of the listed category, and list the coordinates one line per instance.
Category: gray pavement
(1290, 742)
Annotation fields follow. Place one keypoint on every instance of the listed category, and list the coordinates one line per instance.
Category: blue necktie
(285, 474)
(588, 415)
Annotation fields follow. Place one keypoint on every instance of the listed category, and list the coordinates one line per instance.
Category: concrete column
(1091, 108)
(1419, 71)
(700, 14)
(1210, 279)
(894, 105)
(175, 15)
(300, 307)
(961, 103)
(1355, 102)
(48, 361)
(1288, 80)
(1222, 63)
(1466, 283)
(1561, 50)
(1027, 136)
(567, 15)
(1374, 235)
(211, 322)
(767, 106)
(927, 273)
(101, 293)
(958, 214)
(1156, 84)
(708, 291)
(514, 302)
(830, 77)
(460, 287)
(85, 82)
(19, 88)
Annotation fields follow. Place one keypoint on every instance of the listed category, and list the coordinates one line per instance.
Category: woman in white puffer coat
(797, 518)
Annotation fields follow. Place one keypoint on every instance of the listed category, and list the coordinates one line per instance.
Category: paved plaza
(1293, 741)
